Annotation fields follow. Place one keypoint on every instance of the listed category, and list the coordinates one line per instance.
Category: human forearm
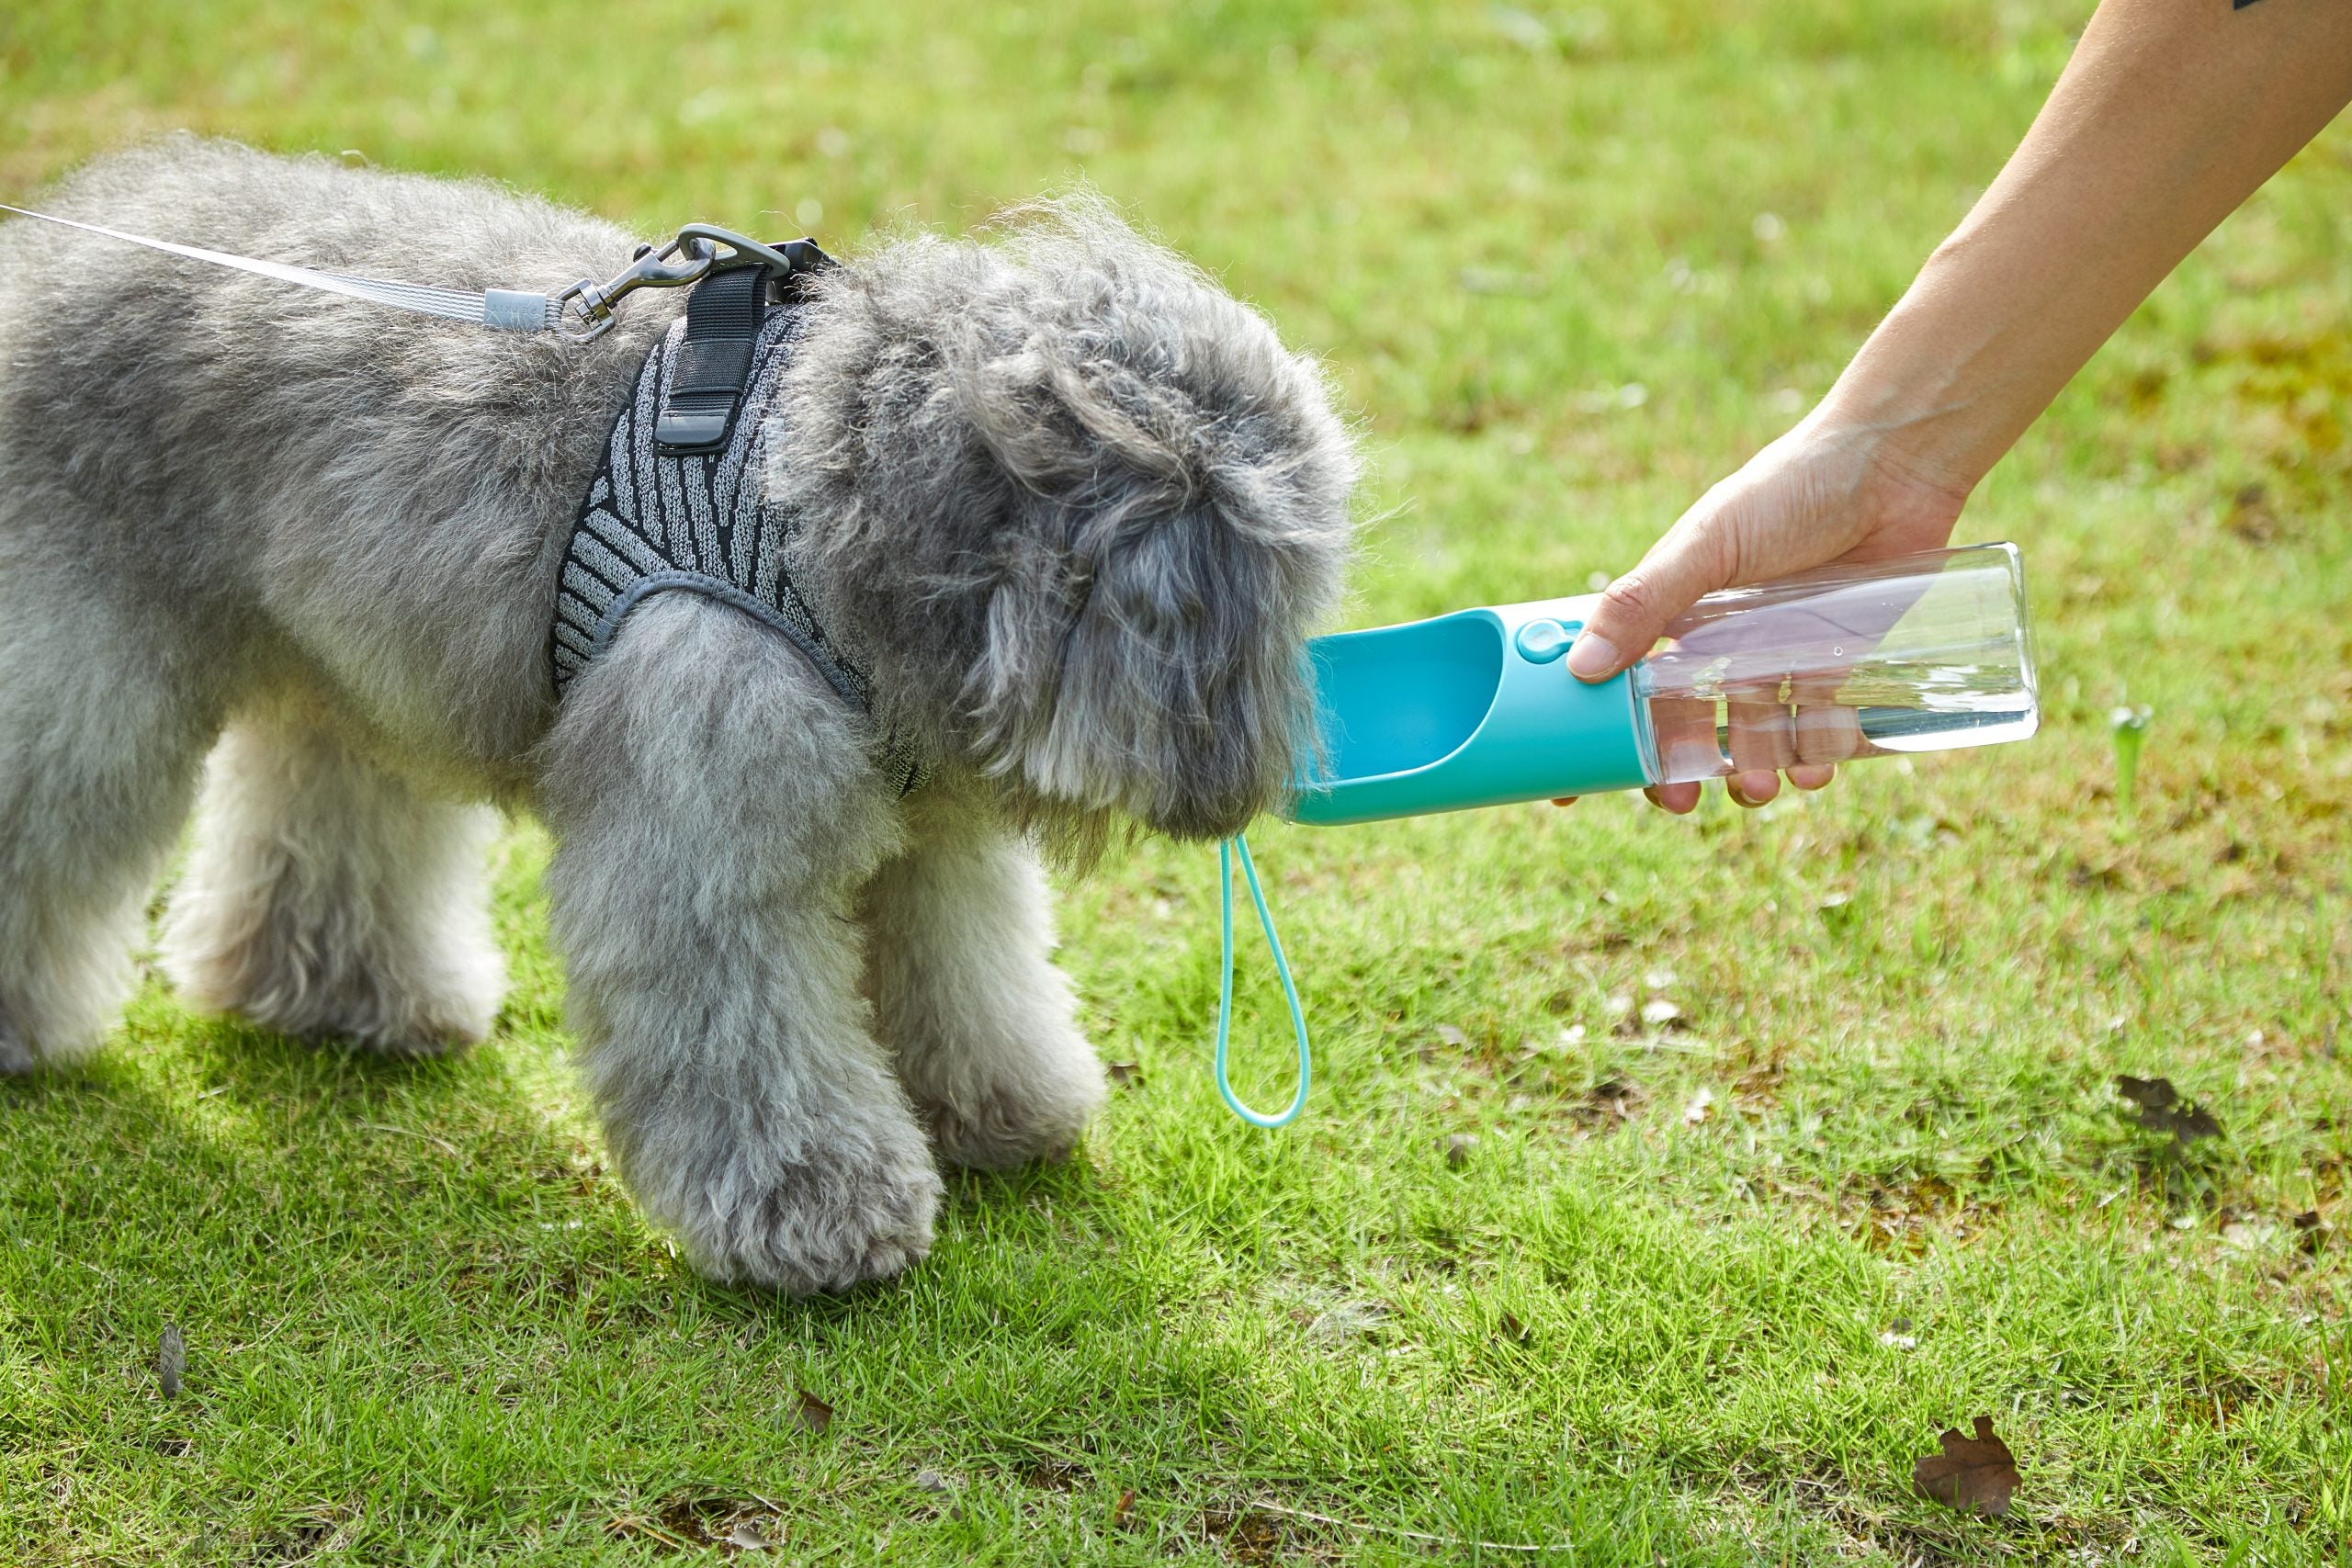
(2170, 114)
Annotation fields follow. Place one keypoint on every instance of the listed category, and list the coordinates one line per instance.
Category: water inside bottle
(1926, 653)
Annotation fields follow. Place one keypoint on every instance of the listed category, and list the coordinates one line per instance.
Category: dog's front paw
(820, 1226)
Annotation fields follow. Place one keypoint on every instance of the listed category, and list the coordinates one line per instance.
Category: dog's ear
(1079, 507)
(1177, 691)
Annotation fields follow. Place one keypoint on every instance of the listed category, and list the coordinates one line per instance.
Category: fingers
(1680, 799)
(1763, 736)
(1635, 610)
(1684, 731)
(1748, 789)
(1827, 731)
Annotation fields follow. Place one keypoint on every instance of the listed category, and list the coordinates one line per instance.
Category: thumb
(1636, 610)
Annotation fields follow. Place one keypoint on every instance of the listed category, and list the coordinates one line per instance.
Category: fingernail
(1592, 656)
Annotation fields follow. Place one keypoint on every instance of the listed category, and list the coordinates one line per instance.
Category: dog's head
(1079, 509)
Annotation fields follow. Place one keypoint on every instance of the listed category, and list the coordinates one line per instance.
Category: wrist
(1907, 420)
(1894, 457)
(1950, 379)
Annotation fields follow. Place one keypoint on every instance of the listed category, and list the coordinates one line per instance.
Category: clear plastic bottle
(1916, 653)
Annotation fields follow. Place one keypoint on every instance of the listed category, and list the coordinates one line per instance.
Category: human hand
(1826, 491)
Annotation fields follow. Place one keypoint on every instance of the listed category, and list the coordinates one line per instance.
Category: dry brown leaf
(2163, 1111)
(811, 1413)
(1124, 1509)
(1971, 1473)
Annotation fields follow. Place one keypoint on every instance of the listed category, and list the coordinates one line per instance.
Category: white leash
(507, 310)
(580, 313)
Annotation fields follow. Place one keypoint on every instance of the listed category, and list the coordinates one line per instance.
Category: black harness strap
(724, 315)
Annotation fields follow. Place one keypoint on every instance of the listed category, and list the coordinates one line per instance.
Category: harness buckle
(586, 307)
(591, 303)
(783, 260)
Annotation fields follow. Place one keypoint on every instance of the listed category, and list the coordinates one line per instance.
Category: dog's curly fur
(1075, 508)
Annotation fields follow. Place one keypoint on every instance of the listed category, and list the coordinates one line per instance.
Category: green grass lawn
(1568, 268)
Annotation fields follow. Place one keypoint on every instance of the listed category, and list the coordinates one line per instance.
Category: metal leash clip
(588, 304)
(591, 303)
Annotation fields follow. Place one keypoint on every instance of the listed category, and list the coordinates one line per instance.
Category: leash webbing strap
(507, 309)
(1289, 1114)
(724, 316)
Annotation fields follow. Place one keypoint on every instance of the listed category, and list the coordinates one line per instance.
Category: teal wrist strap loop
(1225, 990)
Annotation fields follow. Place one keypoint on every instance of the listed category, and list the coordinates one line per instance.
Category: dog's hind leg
(103, 724)
(960, 933)
(714, 815)
(327, 898)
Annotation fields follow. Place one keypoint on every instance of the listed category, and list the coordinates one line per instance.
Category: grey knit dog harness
(677, 505)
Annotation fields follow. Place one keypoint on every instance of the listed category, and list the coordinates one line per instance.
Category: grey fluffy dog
(1072, 507)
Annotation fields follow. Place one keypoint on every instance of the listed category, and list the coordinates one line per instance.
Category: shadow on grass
(418, 1307)
(208, 1168)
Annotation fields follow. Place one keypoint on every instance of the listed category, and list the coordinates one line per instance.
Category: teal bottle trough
(1475, 708)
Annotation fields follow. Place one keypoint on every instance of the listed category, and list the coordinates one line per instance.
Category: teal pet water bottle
(1919, 653)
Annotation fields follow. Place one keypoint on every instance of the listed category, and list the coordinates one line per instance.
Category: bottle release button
(1540, 642)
